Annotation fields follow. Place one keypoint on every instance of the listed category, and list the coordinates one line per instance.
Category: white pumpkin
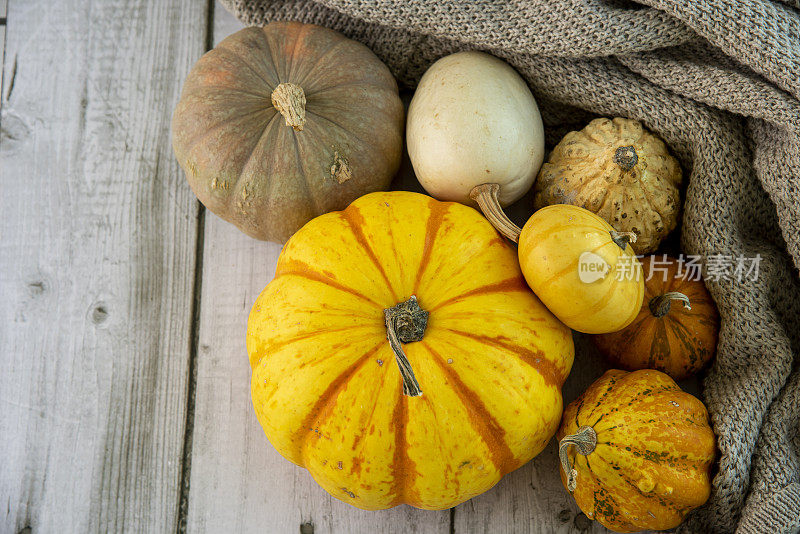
(474, 121)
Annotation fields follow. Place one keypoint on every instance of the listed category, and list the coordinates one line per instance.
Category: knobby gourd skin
(550, 249)
(325, 384)
(279, 124)
(667, 335)
(620, 171)
(653, 455)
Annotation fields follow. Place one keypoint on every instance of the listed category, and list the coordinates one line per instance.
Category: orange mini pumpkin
(676, 339)
(636, 451)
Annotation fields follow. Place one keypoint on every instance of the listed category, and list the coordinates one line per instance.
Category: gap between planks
(191, 390)
(97, 266)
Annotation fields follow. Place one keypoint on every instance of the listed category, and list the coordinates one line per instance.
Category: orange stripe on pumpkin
(435, 218)
(304, 270)
(511, 284)
(355, 220)
(482, 421)
(323, 407)
(368, 421)
(404, 470)
(550, 373)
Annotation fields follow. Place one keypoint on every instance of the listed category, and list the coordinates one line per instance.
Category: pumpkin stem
(290, 100)
(584, 440)
(625, 157)
(622, 238)
(659, 305)
(405, 323)
(486, 197)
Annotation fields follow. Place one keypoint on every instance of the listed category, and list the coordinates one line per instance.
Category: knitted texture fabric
(719, 81)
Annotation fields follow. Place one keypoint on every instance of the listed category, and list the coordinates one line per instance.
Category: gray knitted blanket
(719, 80)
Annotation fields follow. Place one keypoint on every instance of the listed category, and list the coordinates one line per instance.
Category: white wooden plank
(239, 483)
(97, 258)
(224, 23)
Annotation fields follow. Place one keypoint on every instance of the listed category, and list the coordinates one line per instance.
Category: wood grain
(97, 257)
(2, 61)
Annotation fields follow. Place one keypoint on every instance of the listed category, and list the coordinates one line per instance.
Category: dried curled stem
(486, 197)
(660, 305)
(405, 323)
(584, 441)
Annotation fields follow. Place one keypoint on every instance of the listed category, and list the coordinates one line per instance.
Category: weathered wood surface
(2, 58)
(97, 265)
(2, 43)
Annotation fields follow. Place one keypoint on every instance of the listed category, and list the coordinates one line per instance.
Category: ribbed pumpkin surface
(654, 451)
(681, 342)
(325, 383)
(248, 166)
(583, 170)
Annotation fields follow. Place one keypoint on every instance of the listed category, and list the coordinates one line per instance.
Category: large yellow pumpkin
(584, 271)
(483, 359)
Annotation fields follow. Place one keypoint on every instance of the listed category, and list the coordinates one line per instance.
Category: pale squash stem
(584, 440)
(486, 197)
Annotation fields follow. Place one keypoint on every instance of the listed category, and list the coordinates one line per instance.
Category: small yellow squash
(466, 388)
(583, 270)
